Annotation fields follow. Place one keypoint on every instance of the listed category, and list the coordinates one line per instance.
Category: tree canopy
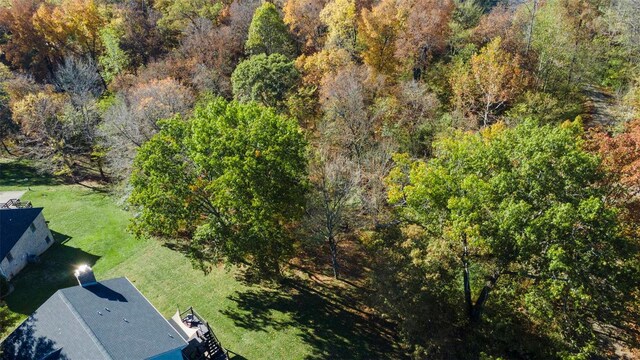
(513, 224)
(232, 175)
(264, 78)
(268, 34)
(540, 220)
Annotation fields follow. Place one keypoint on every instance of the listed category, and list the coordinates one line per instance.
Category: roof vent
(85, 276)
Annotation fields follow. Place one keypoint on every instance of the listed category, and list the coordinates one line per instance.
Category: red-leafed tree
(621, 158)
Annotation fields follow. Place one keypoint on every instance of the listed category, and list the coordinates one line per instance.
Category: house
(24, 235)
(105, 320)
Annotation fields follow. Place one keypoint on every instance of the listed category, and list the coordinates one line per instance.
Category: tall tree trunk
(574, 55)
(333, 246)
(6, 148)
(467, 281)
(100, 164)
(467, 289)
(474, 309)
(530, 27)
(485, 115)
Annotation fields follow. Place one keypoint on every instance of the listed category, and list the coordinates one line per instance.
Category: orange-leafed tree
(498, 22)
(425, 31)
(303, 18)
(21, 44)
(621, 158)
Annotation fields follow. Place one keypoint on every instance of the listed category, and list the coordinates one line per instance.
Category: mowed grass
(289, 321)
(168, 280)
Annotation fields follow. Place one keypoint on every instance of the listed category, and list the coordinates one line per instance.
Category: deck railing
(16, 203)
(208, 335)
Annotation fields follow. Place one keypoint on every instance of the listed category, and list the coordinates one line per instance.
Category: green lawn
(299, 319)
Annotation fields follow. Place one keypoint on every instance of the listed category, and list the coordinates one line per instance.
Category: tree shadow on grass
(21, 173)
(37, 282)
(332, 328)
(60, 238)
(235, 356)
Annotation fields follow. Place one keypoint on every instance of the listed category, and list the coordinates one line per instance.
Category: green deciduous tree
(268, 34)
(232, 177)
(513, 224)
(265, 79)
(178, 14)
(114, 60)
(564, 39)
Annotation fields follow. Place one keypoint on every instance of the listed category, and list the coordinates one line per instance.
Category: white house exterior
(23, 233)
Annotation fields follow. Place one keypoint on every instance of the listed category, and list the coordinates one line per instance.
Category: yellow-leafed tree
(378, 31)
(487, 83)
(73, 27)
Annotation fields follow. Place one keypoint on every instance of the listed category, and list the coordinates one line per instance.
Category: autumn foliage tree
(178, 15)
(303, 18)
(7, 126)
(132, 119)
(425, 32)
(71, 28)
(378, 31)
(332, 201)
(487, 83)
(141, 38)
(22, 45)
(55, 130)
(479, 252)
(621, 158)
(347, 123)
(340, 18)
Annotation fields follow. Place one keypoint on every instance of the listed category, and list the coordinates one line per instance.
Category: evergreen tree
(268, 34)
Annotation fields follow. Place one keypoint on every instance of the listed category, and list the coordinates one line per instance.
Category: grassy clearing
(298, 319)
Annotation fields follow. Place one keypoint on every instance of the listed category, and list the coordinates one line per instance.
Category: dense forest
(475, 162)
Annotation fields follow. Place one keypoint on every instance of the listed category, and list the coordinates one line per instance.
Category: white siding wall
(31, 243)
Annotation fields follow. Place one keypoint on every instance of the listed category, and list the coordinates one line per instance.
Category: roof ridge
(84, 325)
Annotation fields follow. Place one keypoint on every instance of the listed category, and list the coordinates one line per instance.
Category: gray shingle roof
(13, 223)
(108, 320)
